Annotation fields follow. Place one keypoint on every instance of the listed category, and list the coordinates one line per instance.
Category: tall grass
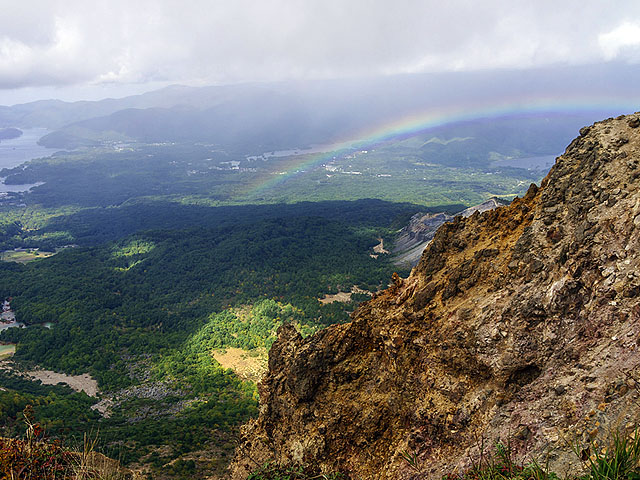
(35, 458)
(618, 459)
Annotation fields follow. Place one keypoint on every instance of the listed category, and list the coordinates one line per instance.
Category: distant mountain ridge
(277, 115)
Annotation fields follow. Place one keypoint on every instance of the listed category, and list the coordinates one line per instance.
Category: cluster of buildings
(7, 316)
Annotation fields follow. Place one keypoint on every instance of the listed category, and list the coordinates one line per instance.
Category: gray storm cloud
(67, 42)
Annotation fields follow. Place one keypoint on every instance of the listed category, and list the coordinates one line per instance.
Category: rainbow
(414, 123)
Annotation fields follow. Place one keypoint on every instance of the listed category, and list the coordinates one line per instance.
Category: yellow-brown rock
(515, 325)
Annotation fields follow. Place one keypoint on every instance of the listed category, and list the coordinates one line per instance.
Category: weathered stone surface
(413, 238)
(517, 324)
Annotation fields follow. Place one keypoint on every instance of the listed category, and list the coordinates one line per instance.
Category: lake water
(290, 153)
(543, 163)
(16, 151)
(17, 188)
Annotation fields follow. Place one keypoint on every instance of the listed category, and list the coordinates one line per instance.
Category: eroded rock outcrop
(519, 323)
(422, 227)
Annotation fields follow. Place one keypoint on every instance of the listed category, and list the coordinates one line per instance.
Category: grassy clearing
(23, 256)
(7, 350)
(247, 364)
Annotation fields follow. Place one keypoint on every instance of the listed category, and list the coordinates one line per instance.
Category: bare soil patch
(79, 383)
(248, 365)
(342, 296)
(380, 247)
(338, 297)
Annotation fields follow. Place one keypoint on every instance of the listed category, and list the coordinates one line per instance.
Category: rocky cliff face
(520, 324)
(422, 227)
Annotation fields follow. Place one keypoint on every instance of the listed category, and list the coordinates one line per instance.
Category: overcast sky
(91, 49)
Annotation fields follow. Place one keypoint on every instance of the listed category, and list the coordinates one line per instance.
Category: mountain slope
(520, 324)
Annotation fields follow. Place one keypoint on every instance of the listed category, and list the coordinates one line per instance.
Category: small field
(23, 256)
(248, 365)
(7, 350)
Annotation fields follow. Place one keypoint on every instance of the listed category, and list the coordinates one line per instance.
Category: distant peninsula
(9, 133)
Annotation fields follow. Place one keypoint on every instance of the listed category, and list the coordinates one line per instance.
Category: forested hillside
(148, 310)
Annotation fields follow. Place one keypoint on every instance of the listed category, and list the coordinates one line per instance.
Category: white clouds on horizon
(622, 40)
(60, 43)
